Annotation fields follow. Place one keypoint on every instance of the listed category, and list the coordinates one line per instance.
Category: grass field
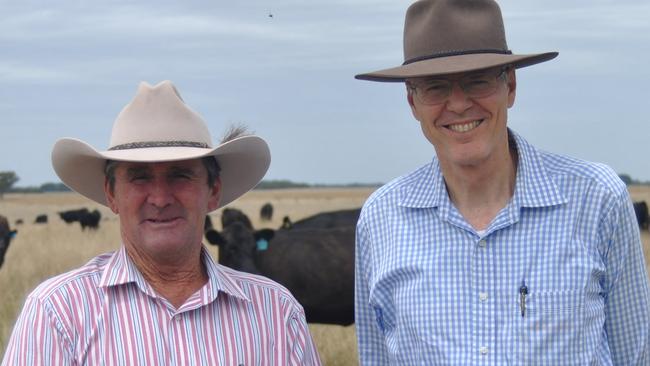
(41, 251)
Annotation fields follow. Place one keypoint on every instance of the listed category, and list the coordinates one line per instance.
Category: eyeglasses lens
(436, 91)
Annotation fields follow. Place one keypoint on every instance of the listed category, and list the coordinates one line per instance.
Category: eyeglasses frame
(412, 89)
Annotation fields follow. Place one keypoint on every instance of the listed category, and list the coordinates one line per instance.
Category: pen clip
(523, 291)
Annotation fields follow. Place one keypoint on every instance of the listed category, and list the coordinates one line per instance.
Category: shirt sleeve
(300, 345)
(627, 304)
(371, 342)
(37, 338)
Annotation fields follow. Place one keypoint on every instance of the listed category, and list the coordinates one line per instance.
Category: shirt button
(483, 296)
(482, 243)
(483, 350)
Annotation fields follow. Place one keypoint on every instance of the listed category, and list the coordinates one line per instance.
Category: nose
(458, 101)
(160, 193)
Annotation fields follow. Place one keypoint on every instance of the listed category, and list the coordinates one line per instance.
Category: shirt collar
(221, 280)
(534, 187)
(121, 270)
(427, 188)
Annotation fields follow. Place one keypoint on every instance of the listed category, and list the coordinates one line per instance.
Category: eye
(478, 83)
(180, 175)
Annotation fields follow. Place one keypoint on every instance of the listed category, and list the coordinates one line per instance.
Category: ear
(512, 87)
(12, 233)
(215, 195)
(409, 98)
(110, 196)
(266, 234)
(286, 223)
(214, 237)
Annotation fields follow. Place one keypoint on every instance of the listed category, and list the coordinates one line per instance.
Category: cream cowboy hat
(158, 126)
(452, 36)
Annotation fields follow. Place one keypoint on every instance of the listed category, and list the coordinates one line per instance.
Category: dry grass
(41, 251)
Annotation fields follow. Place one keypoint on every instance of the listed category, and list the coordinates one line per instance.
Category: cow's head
(238, 245)
(232, 215)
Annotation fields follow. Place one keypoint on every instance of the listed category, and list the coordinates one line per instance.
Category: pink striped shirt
(105, 313)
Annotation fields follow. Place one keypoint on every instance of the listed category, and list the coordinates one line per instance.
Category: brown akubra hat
(451, 36)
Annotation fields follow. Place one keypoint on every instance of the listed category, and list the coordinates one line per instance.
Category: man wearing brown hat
(161, 299)
(495, 252)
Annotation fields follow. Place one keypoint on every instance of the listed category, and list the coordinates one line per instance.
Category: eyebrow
(137, 170)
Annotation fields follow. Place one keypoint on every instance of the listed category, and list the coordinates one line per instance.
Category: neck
(175, 279)
(480, 192)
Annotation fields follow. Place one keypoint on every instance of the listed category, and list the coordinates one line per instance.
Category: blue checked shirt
(430, 290)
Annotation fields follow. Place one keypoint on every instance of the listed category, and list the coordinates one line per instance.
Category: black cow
(71, 216)
(90, 220)
(641, 211)
(316, 265)
(325, 220)
(266, 212)
(5, 237)
(41, 219)
(86, 218)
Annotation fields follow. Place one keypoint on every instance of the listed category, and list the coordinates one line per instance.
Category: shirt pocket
(551, 330)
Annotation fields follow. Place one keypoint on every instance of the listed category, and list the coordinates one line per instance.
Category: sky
(67, 68)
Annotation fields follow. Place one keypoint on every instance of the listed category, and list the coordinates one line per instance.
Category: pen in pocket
(523, 291)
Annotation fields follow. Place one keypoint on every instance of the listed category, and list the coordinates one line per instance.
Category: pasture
(40, 251)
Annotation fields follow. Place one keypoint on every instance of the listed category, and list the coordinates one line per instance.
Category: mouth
(464, 127)
(161, 221)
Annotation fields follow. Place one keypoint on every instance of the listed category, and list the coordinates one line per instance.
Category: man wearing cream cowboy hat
(495, 252)
(161, 299)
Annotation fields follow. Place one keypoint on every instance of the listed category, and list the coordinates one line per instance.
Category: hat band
(456, 53)
(146, 144)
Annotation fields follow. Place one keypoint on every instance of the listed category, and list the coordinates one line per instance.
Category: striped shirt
(105, 313)
(558, 277)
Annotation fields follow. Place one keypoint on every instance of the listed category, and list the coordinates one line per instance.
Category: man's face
(162, 206)
(466, 130)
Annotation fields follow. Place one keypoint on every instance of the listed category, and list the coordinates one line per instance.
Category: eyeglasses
(431, 91)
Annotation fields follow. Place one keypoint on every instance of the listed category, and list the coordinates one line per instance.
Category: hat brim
(243, 162)
(454, 64)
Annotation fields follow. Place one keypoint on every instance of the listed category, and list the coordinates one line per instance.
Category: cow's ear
(214, 237)
(266, 234)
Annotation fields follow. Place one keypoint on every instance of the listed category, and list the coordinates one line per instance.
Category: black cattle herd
(318, 250)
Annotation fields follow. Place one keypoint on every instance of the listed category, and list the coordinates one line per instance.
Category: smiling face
(162, 206)
(467, 131)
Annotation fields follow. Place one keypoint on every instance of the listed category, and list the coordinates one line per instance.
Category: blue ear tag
(262, 244)
(12, 234)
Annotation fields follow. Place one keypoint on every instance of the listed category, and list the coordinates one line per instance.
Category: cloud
(12, 72)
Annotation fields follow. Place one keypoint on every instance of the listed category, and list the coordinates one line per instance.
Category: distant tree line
(628, 180)
(280, 184)
(43, 188)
